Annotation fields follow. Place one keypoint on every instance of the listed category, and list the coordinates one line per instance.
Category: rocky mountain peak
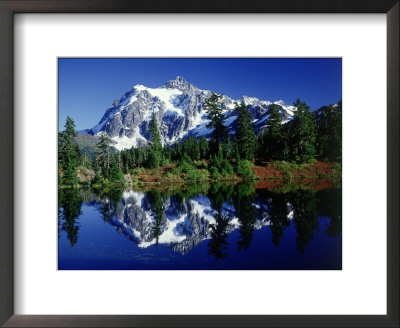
(180, 110)
(179, 83)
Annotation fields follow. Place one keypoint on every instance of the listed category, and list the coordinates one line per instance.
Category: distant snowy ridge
(179, 108)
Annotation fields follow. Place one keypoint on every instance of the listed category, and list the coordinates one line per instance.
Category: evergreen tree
(166, 155)
(329, 121)
(155, 154)
(126, 160)
(115, 173)
(191, 147)
(177, 151)
(203, 144)
(132, 158)
(86, 160)
(273, 141)
(214, 110)
(302, 134)
(103, 154)
(228, 148)
(142, 156)
(70, 127)
(245, 137)
(69, 155)
(220, 166)
(237, 157)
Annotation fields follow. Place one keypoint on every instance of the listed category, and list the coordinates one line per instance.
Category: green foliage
(329, 122)
(184, 166)
(103, 154)
(218, 194)
(244, 169)
(302, 141)
(189, 170)
(97, 180)
(237, 157)
(214, 110)
(298, 141)
(273, 141)
(217, 160)
(214, 172)
(86, 160)
(191, 148)
(204, 149)
(115, 174)
(245, 137)
(215, 167)
(109, 196)
(138, 171)
(60, 178)
(186, 163)
(156, 151)
(226, 168)
(228, 148)
(337, 171)
(197, 175)
(288, 166)
(134, 158)
(128, 160)
(86, 144)
(220, 167)
(201, 164)
(69, 156)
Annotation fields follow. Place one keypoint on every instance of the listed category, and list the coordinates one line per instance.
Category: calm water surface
(225, 227)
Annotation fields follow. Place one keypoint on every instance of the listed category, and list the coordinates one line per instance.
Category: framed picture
(199, 157)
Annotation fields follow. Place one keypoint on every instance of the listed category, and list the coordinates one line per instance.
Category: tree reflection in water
(304, 204)
(70, 203)
(218, 244)
(244, 198)
(156, 201)
(108, 201)
(279, 215)
(239, 207)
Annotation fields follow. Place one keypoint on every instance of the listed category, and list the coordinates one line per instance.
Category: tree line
(309, 135)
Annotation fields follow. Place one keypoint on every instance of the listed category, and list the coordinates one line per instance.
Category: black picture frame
(10, 7)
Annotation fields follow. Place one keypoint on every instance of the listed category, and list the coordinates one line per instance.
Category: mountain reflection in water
(221, 226)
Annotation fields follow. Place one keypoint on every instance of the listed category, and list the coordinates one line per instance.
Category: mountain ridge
(179, 107)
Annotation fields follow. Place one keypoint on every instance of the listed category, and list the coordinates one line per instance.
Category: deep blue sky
(87, 87)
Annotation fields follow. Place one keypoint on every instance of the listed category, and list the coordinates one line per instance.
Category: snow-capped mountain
(179, 109)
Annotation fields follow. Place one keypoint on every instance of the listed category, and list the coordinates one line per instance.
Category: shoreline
(266, 174)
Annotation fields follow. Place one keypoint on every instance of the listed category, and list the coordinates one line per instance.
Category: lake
(246, 226)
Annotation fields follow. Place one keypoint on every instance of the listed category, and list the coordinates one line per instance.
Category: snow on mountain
(179, 109)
